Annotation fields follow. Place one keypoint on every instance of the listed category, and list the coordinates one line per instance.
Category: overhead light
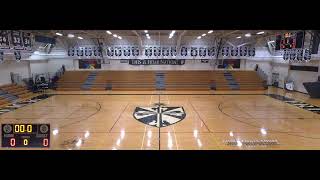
(70, 36)
(247, 35)
(271, 41)
(238, 37)
(80, 37)
(199, 37)
(262, 32)
(147, 34)
(115, 35)
(171, 34)
(59, 34)
(209, 32)
(148, 37)
(146, 31)
(119, 37)
(109, 32)
(203, 35)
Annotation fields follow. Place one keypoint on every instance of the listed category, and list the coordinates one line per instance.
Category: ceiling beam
(139, 38)
(229, 33)
(179, 38)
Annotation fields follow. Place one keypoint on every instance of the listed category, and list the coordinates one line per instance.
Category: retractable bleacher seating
(72, 80)
(160, 80)
(248, 80)
(12, 92)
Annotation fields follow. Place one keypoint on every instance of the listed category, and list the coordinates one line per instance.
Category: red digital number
(12, 142)
(45, 142)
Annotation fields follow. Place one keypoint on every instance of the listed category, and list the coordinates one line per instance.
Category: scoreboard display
(25, 135)
(290, 40)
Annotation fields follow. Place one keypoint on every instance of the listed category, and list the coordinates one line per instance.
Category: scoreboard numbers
(26, 135)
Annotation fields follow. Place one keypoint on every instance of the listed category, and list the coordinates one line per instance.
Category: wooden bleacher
(72, 80)
(13, 90)
(173, 80)
(248, 80)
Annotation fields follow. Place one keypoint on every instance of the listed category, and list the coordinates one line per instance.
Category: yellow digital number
(22, 128)
(25, 142)
(16, 128)
(29, 128)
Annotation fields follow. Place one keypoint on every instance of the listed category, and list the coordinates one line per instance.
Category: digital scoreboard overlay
(25, 135)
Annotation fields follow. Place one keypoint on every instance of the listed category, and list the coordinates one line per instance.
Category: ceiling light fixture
(247, 35)
(80, 37)
(210, 31)
(108, 32)
(70, 36)
(59, 34)
(262, 32)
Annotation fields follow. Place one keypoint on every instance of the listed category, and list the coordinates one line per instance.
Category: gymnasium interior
(160, 89)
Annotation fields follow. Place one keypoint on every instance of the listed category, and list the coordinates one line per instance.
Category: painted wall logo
(159, 116)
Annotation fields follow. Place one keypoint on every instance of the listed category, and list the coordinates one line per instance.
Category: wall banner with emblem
(26, 37)
(4, 39)
(16, 40)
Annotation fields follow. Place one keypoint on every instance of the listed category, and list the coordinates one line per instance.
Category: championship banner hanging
(4, 39)
(156, 62)
(26, 37)
(16, 40)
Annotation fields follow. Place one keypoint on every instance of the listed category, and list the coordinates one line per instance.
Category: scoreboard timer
(25, 135)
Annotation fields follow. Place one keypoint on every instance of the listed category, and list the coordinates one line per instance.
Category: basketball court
(107, 96)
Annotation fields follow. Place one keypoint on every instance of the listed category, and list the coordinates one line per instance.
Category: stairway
(90, 79)
(232, 83)
(160, 83)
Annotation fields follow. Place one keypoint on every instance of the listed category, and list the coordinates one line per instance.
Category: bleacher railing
(263, 76)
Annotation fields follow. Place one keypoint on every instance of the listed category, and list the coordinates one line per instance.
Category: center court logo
(159, 116)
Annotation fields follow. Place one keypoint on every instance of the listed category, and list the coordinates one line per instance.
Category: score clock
(25, 135)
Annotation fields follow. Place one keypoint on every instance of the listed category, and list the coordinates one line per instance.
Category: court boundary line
(252, 125)
(119, 117)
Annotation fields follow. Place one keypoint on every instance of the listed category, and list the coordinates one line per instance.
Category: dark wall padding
(313, 89)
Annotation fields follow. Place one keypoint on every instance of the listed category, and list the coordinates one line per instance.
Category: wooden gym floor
(215, 120)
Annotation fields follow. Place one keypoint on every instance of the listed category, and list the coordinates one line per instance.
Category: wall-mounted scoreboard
(290, 40)
(25, 135)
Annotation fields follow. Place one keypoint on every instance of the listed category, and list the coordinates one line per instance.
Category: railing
(263, 76)
(57, 75)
